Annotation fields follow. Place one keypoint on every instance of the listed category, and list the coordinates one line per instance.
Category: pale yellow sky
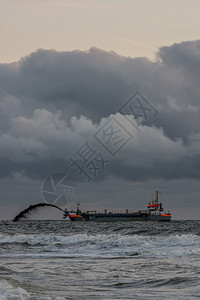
(129, 27)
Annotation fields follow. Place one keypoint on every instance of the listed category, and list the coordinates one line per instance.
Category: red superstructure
(156, 211)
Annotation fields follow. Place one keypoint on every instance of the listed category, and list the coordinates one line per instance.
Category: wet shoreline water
(47, 260)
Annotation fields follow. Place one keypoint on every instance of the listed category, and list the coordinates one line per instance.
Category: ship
(154, 212)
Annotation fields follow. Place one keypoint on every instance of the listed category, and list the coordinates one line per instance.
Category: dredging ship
(154, 212)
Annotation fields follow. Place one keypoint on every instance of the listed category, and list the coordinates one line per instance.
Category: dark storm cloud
(185, 55)
(51, 102)
(77, 82)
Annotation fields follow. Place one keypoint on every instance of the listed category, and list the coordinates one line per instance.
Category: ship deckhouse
(155, 208)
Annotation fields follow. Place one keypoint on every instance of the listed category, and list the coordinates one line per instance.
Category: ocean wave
(100, 245)
(179, 281)
(6, 270)
(9, 290)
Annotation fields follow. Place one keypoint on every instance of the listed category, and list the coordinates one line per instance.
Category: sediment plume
(26, 211)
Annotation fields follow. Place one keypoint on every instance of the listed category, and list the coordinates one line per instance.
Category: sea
(59, 260)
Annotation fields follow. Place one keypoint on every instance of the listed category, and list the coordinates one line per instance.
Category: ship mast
(156, 197)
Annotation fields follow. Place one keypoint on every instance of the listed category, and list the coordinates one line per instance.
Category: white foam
(102, 245)
(12, 292)
(9, 292)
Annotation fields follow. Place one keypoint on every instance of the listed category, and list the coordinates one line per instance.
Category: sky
(103, 96)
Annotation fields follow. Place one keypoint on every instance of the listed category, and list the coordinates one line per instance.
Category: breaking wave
(10, 291)
(100, 245)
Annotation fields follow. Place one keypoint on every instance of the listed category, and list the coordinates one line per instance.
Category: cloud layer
(52, 102)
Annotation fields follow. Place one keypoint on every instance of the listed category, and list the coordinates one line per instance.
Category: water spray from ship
(25, 212)
(56, 188)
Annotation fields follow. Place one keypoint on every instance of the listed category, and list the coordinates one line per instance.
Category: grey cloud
(82, 82)
(185, 55)
(95, 83)
(10, 107)
(51, 102)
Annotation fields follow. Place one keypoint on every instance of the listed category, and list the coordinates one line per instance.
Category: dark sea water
(47, 260)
